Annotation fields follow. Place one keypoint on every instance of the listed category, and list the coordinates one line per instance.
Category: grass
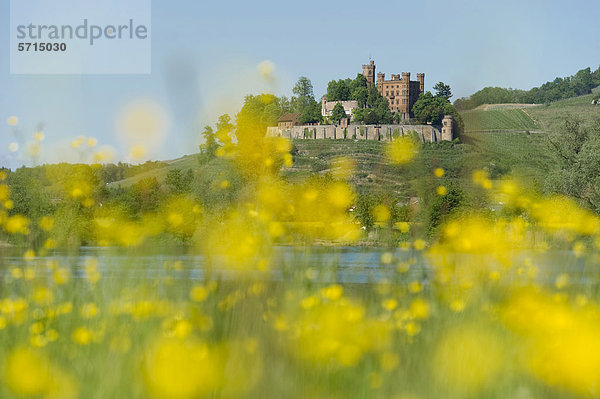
(498, 119)
(500, 153)
(505, 152)
(184, 163)
(542, 117)
(551, 116)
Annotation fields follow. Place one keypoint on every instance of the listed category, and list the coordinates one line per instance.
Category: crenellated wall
(427, 133)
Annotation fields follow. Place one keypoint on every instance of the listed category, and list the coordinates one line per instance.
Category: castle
(401, 93)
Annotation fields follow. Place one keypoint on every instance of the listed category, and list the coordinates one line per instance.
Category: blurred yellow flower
(402, 150)
(176, 369)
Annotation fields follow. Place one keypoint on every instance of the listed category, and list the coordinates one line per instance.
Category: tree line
(560, 88)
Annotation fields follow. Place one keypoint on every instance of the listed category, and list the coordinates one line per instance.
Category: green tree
(303, 92)
(179, 182)
(360, 94)
(338, 113)
(260, 111)
(432, 109)
(339, 90)
(382, 110)
(210, 145)
(577, 149)
(311, 113)
(442, 90)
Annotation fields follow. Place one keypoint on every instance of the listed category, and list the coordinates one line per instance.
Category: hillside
(496, 118)
(495, 138)
(527, 117)
(184, 163)
(499, 153)
(550, 116)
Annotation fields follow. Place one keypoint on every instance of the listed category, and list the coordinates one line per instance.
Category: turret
(421, 80)
(395, 77)
(406, 77)
(369, 72)
(448, 128)
(380, 77)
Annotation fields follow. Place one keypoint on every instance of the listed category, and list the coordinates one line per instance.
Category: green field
(551, 116)
(498, 119)
(542, 117)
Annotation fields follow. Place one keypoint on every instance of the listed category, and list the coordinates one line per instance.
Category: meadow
(525, 117)
(256, 284)
(498, 119)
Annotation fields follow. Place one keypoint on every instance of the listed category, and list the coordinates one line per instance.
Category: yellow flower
(419, 309)
(404, 227)
(415, 287)
(61, 275)
(4, 191)
(82, 336)
(387, 258)
(17, 224)
(176, 369)
(27, 373)
(333, 292)
(481, 178)
(199, 293)
(42, 296)
(402, 150)
(420, 244)
(29, 255)
(381, 213)
(389, 304)
(89, 310)
(439, 172)
(441, 191)
(46, 223)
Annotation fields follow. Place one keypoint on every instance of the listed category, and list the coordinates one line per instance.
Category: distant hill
(184, 163)
(582, 83)
(499, 153)
(529, 117)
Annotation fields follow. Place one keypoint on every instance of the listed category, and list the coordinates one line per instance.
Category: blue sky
(205, 57)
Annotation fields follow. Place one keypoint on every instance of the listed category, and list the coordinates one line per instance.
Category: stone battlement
(427, 133)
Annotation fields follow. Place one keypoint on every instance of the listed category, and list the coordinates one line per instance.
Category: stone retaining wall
(427, 133)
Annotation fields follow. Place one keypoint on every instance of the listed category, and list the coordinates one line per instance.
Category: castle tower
(380, 77)
(406, 77)
(369, 72)
(448, 128)
(421, 80)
